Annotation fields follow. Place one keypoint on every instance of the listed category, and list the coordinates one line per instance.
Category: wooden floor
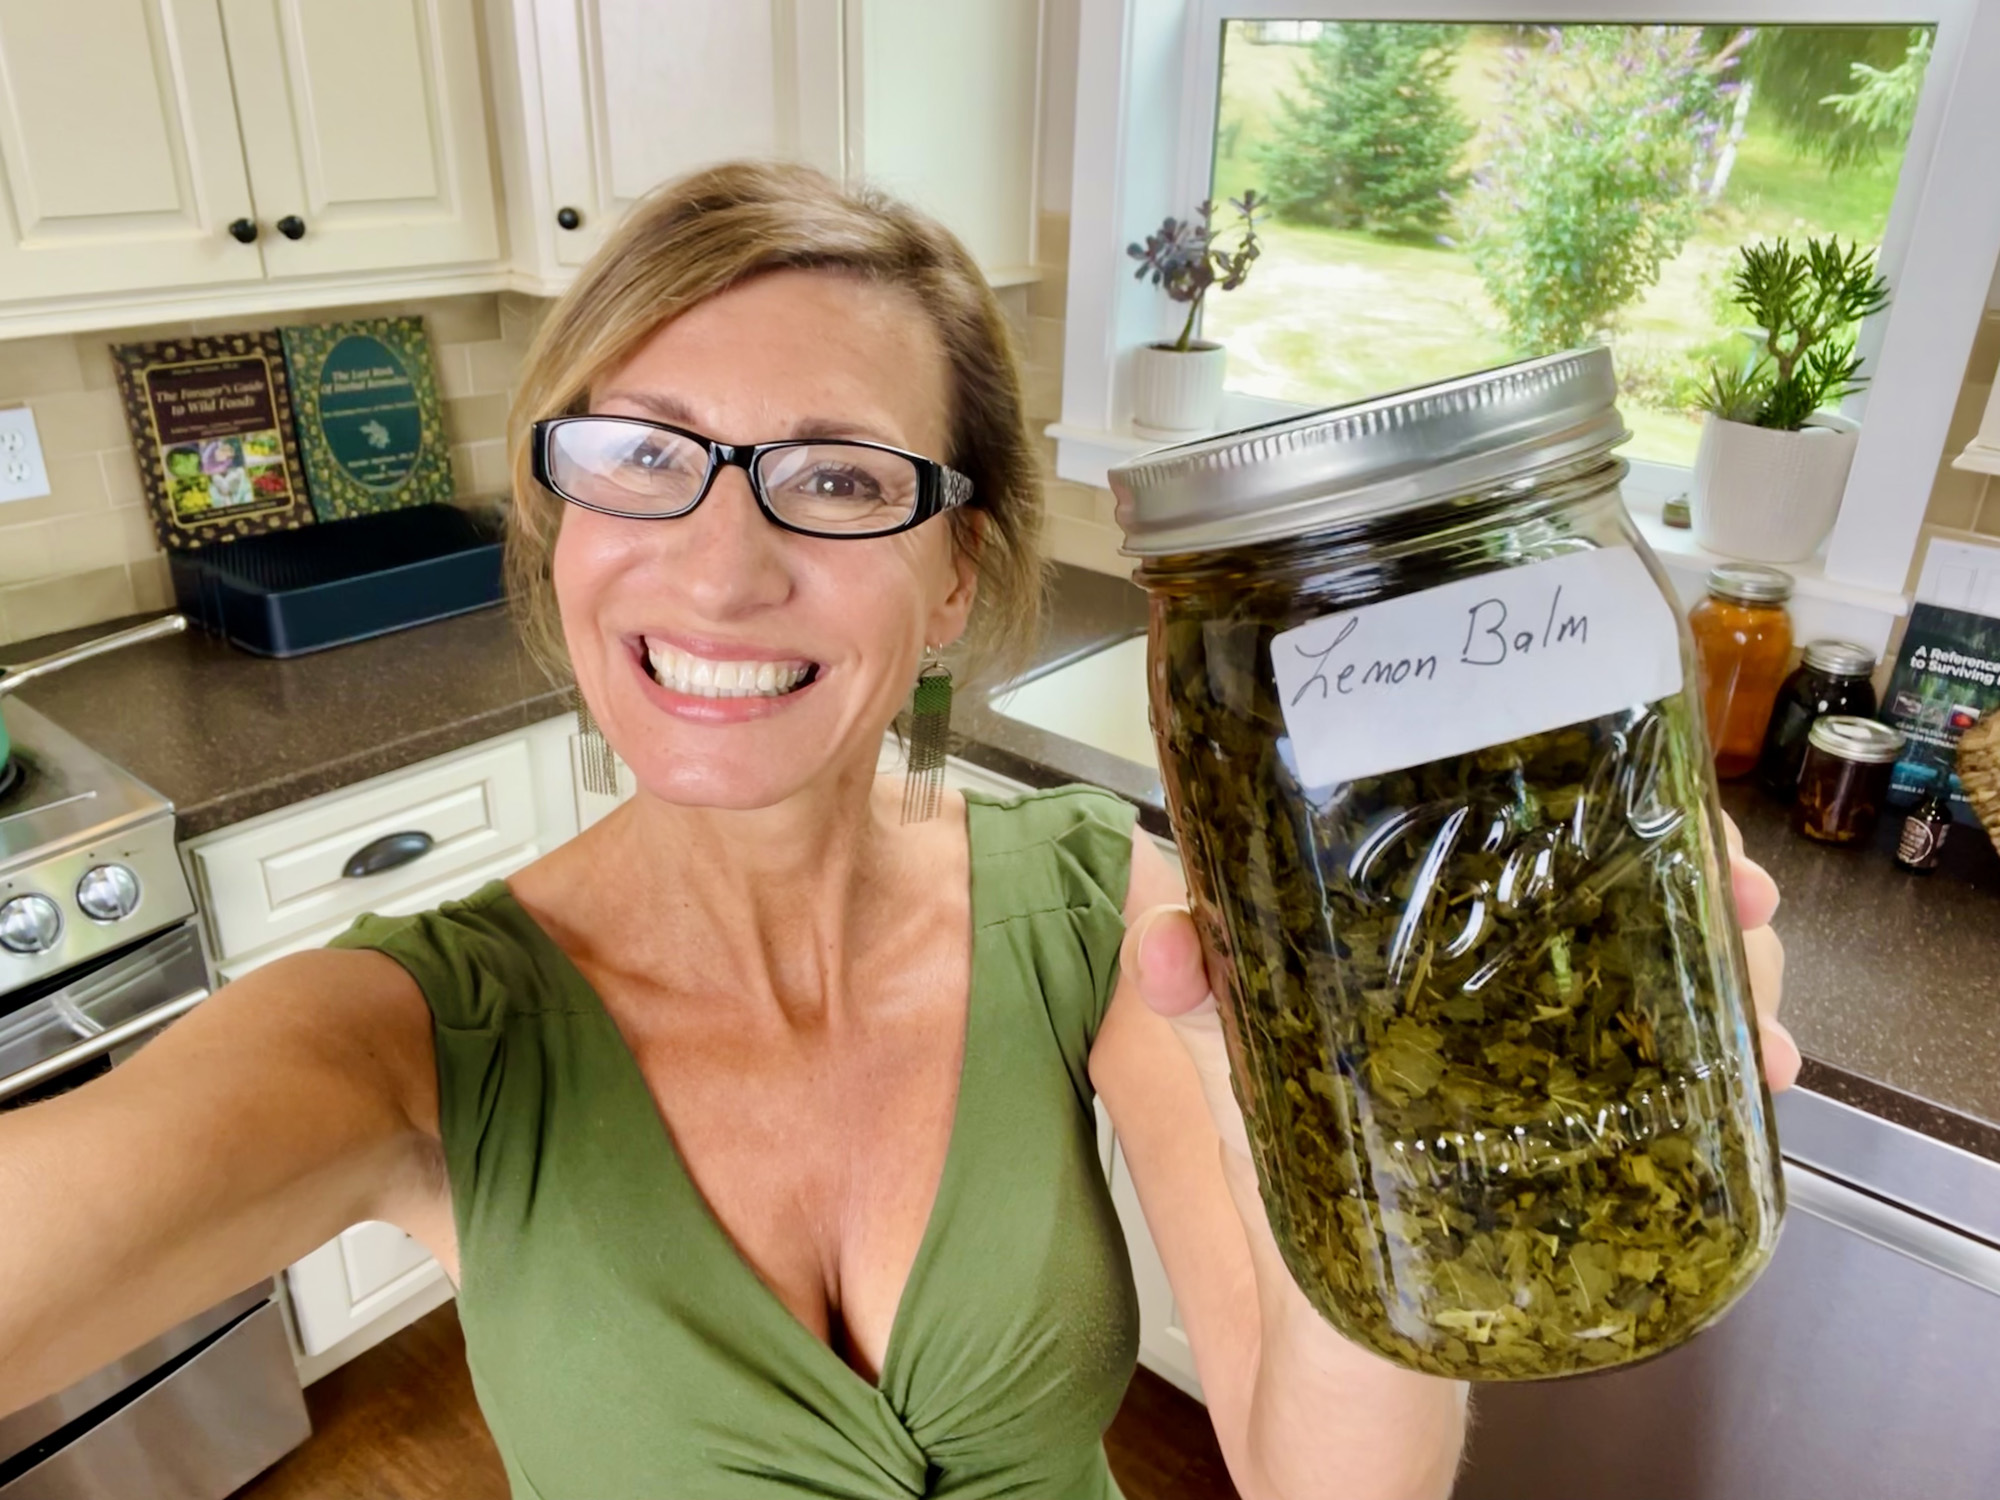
(400, 1423)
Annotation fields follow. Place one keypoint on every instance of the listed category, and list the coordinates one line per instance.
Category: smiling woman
(756, 1123)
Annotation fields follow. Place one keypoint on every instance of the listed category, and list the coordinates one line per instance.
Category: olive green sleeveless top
(623, 1349)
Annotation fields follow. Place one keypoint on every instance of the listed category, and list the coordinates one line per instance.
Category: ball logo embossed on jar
(1486, 1002)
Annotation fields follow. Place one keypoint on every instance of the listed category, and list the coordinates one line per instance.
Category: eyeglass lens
(833, 488)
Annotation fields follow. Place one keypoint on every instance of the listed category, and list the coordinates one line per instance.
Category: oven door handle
(96, 1046)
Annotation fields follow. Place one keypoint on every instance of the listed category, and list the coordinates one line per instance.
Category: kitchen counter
(225, 736)
(1892, 985)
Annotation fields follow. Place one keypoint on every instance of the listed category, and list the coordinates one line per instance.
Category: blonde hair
(691, 239)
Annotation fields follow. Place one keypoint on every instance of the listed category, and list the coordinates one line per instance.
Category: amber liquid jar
(1743, 642)
(1845, 781)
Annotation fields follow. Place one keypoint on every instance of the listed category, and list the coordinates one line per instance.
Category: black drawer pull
(390, 852)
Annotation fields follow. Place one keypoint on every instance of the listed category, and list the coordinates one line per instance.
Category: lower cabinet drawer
(302, 870)
(423, 898)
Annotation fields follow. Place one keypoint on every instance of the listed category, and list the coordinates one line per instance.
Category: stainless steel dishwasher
(1864, 1365)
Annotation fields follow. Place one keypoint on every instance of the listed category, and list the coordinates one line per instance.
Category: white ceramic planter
(1770, 496)
(1178, 392)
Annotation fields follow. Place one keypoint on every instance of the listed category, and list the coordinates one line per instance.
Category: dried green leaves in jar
(1500, 1112)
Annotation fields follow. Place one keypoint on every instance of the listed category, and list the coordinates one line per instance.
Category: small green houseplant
(1774, 457)
(1177, 383)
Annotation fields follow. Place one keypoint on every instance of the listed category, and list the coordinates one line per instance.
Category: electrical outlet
(23, 475)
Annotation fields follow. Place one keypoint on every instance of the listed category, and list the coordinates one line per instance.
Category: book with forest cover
(211, 424)
(370, 417)
(1947, 675)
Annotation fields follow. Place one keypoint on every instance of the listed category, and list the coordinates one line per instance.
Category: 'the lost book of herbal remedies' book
(370, 419)
(211, 424)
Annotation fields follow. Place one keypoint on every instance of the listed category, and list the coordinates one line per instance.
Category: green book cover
(370, 419)
(212, 426)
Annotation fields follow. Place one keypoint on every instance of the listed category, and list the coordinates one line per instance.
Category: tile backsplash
(85, 552)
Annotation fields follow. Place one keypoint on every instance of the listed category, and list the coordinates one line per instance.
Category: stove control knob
(30, 924)
(108, 892)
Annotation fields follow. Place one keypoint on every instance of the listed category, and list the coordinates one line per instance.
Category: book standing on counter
(370, 419)
(211, 424)
(1947, 674)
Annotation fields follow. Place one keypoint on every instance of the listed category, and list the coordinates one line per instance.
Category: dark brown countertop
(225, 735)
(1892, 984)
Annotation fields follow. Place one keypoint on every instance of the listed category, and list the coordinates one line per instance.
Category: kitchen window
(1367, 287)
(1451, 196)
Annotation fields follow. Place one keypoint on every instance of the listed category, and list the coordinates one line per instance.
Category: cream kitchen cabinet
(599, 101)
(364, 127)
(943, 108)
(122, 159)
(177, 158)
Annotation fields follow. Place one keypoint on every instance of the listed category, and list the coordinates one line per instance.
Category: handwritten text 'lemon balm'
(1479, 662)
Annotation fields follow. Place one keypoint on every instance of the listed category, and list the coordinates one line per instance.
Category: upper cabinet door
(636, 92)
(944, 109)
(120, 164)
(364, 125)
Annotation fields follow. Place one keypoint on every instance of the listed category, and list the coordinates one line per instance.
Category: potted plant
(1773, 461)
(1177, 385)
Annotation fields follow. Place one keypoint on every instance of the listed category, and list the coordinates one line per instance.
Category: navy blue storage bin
(291, 592)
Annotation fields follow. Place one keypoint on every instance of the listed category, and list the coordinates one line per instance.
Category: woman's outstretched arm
(299, 1100)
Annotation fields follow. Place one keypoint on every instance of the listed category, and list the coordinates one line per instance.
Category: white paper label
(1475, 663)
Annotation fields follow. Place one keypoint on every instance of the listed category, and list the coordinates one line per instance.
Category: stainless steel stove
(100, 949)
(87, 860)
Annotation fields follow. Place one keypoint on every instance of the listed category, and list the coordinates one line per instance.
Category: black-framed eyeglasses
(625, 466)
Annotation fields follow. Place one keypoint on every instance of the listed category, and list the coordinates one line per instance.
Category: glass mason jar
(1743, 644)
(1433, 749)
(1844, 783)
(1833, 679)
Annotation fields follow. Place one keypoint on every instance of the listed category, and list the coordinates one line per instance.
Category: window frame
(1148, 61)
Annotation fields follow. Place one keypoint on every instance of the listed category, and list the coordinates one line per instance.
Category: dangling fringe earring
(600, 766)
(930, 720)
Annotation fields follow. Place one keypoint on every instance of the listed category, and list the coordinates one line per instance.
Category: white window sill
(1979, 458)
(1086, 455)
(1680, 553)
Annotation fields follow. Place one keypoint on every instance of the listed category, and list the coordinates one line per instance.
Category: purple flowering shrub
(1595, 172)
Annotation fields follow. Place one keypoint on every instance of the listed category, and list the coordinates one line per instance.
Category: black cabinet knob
(569, 218)
(292, 227)
(244, 230)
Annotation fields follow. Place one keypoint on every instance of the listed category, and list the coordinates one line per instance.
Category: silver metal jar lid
(1840, 658)
(1463, 436)
(1846, 737)
(1750, 583)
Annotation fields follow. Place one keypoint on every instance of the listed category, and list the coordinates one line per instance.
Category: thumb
(1162, 953)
